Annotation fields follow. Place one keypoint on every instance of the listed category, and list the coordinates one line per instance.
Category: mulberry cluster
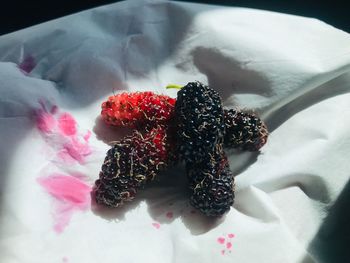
(202, 130)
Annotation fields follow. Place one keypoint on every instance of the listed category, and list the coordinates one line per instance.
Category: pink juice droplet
(67, 124)
(156, 225)
(170, 215)
(65, 259)
(221, 240)
(71, 194)
(223, 252)
(228, 245)
(231, 235)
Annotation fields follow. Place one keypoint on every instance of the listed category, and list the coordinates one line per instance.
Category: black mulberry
(200, 120)
(212, 184)
(244, 130)
(129, 164)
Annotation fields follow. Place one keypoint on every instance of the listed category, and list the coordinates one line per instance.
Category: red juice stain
(221, 240)
(170, 215)
(231, 235)
(223, 252)
(65, 259)
(193, 211)
(156, 225)
(76, 150)
(61, 134)
(228, 245)
(54, 109)
(28, 64)
(67, 124)
(87, 136)
(45, 122)
(70, 195)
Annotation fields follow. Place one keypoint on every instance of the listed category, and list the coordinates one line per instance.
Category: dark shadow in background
(331, 244)
(18, 14)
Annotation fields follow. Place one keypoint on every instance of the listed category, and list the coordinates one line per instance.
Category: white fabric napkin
(293, 71)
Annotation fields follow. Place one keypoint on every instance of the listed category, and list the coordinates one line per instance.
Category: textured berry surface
(212, 184)
(200, 119)
(137, 109)
(130, 163)
(244, 130)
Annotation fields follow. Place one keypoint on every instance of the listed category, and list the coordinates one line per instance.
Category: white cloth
(293, 71)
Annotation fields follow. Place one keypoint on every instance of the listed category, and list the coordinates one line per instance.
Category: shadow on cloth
(167, 200)
(91, 67)
(331, 243)
(331, 88)
(166, 197)
(229, 76)
(109, 134)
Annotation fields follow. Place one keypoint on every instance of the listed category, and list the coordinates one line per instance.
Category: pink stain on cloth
(221, 240)
(27, 64)
(61, 133)
(70, 195)
(170, 215)
(226, 242)
(45, 122)
(156, 225)
(67, 124)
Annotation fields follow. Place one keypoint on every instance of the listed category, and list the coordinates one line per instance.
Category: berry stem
(174, 86)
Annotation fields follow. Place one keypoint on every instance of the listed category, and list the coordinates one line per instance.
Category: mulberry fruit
(130, 163)
(200, 120)
(201, 128)
(212, 184)
(244, 130)
(137, 109)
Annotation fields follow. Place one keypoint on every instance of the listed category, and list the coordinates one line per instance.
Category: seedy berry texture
(200, 120)
(130, 163)
(244, 130)
(201, 127)
(212, 184)
(137, 109)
